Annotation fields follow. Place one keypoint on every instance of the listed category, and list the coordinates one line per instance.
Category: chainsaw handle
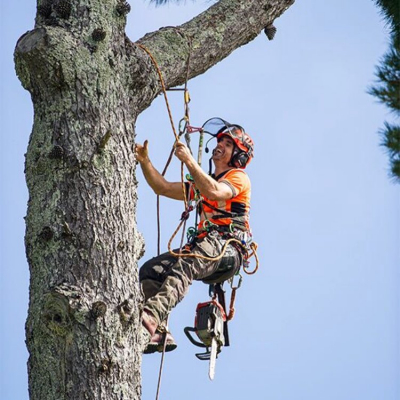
(187, 331)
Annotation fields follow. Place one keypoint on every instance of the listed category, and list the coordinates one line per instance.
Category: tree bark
(88, 84)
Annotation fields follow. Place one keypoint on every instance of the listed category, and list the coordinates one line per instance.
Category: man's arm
(207, 186)
(155, 180)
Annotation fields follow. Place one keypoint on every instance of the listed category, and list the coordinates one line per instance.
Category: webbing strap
(221, 299)
(223, 213)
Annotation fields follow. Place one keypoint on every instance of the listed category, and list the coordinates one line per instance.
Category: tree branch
(211, 36)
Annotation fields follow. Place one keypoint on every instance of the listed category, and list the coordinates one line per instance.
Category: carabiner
(182, 130)
(239, 282)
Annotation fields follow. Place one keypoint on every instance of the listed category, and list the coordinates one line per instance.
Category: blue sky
(320, 320)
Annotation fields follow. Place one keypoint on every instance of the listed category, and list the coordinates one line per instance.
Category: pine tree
(88, 83)
(388, 88)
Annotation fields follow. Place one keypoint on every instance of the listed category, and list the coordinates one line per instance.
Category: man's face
(224, 150)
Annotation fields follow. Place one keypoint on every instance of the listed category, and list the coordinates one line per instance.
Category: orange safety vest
(233, 211)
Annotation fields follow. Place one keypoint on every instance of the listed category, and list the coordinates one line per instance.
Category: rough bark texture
(88, 84)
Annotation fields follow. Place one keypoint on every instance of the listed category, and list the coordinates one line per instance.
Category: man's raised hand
(142, 152)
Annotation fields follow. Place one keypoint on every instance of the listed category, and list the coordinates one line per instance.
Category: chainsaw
(210, 328)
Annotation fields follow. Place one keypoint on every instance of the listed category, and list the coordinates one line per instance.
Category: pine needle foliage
(391, 139)
(390, 9)
(388, 74)
(387, 89)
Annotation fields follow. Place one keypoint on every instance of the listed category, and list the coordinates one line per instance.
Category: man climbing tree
(223, 204)
(88, 84)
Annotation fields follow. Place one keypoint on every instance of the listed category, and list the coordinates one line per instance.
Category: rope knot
(186, 213)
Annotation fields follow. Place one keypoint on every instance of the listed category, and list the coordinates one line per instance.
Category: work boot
(157, 343)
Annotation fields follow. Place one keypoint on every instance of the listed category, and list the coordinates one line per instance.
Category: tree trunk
(88, 84)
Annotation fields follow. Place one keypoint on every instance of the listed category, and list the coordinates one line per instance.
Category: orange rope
(162, 86)
(164, 90)
(253, 247)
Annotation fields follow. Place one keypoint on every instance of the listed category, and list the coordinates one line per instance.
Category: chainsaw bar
(213, 358)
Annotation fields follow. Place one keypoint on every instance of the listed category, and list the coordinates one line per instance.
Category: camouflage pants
(165, 279)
